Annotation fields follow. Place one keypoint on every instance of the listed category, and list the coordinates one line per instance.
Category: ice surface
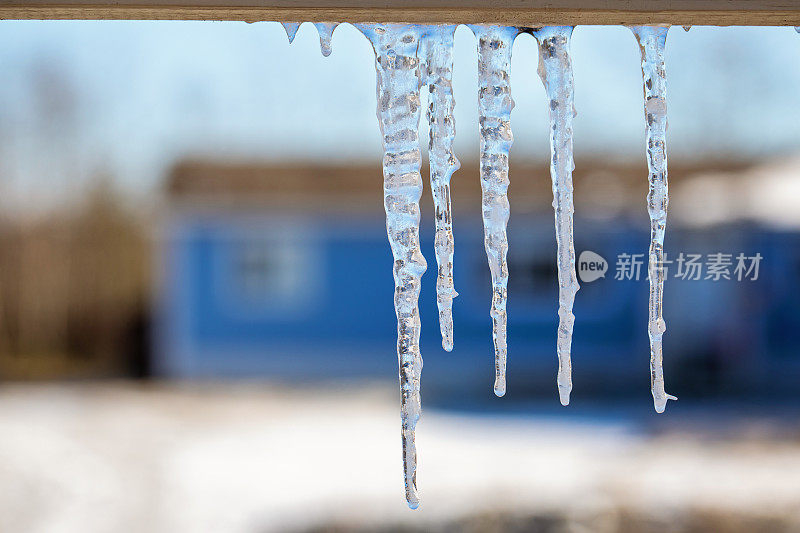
(325, 30)
(437, 71)
(652, 40)
(555, 69)
(398, 83)
(494, 116)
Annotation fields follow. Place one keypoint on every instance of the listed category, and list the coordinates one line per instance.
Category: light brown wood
(507, 12)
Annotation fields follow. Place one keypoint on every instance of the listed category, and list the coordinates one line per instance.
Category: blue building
(286, 272)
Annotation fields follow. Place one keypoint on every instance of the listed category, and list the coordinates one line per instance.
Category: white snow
(230, 459)
(767, 194)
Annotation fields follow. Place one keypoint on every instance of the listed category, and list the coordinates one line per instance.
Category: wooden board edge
(509, 17)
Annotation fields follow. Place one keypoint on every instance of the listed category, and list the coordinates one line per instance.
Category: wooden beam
(506, 12)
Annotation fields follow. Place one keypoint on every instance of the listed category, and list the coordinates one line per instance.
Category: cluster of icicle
(409, 58)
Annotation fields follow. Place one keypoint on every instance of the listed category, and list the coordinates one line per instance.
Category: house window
(269, 271)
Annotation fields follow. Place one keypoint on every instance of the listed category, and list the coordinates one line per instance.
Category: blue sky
(148, 93)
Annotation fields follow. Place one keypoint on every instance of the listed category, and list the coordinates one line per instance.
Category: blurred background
(196, 320)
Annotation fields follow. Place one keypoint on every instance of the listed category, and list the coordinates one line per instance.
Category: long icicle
(652, 41)
(398, 83)
(494, 109)
(555, 69)
(437, 54)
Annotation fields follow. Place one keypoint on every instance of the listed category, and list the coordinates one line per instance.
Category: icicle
(437, 54)
(398, 83)
(494, 109)
(325, 30)
(555, 69)
(652, 40)
(291, 29)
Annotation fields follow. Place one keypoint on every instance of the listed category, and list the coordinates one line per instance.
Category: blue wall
(311, 297)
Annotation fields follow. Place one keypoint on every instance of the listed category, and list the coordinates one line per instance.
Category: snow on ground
(255, 458)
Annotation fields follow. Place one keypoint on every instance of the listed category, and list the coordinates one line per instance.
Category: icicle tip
(412, 498)
(661, 403)
(325, 30)
(563, 395)
(564, 382)
(499, 388)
